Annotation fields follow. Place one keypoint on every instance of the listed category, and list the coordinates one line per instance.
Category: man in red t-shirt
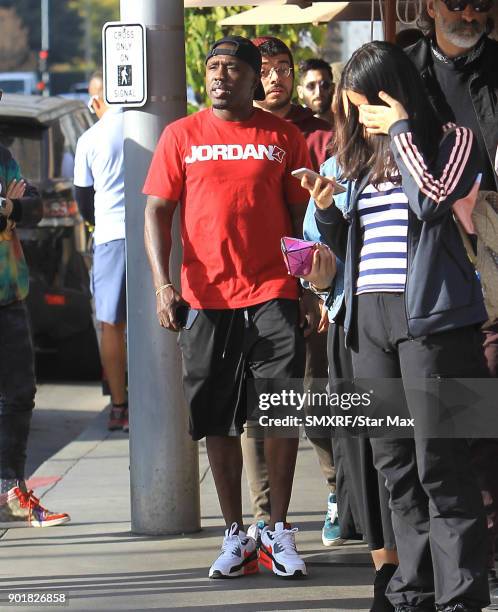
(229, 168)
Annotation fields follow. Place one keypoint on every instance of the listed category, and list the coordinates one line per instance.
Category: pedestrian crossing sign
(125, 63)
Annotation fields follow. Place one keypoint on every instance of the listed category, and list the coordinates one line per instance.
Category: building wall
(357, 33)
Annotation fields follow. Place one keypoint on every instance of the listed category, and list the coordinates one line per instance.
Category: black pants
(17, 388)
(437, 509)
(361, 489)
(316, 368)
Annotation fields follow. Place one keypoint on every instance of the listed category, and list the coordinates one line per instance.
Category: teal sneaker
(331, 532)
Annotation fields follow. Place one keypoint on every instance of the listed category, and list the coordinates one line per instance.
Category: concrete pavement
(99, 565)
(58, 418)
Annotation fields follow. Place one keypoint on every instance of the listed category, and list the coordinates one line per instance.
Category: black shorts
(222, 348)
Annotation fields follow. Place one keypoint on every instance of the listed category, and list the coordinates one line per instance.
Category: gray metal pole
(164, 467)
(45, 32)
(88, 39)
(45, 45)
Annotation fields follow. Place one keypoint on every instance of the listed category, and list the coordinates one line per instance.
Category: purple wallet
(298, 255)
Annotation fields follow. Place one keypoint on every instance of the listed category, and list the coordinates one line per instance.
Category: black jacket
(483, 86)
(442, 290)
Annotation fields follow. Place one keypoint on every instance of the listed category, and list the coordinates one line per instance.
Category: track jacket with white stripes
(442, 291)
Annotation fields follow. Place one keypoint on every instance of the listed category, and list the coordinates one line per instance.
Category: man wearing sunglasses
(458, 62)
(316, 88)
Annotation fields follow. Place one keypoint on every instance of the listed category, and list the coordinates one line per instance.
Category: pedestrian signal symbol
(125, 75)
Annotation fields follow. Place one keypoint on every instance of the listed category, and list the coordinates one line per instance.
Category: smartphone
(181, 314)
(312, 175)
(185, 316)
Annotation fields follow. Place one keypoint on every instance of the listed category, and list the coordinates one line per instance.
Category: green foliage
(100, 12)
(69, 37)
(202, 29)
(191, 108)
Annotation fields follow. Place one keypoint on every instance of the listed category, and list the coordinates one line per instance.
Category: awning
(318, 12)
(212, 3)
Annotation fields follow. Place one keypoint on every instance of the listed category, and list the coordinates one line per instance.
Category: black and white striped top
(383, 214)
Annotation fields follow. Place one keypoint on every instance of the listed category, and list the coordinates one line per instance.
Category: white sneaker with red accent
(238, 556)
(23, 509)
(278, 551)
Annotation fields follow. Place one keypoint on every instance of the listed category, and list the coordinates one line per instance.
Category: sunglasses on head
(479, 6)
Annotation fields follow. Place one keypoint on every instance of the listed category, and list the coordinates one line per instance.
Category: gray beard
(462, 37)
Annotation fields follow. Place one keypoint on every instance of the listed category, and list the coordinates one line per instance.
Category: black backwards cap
(244, 50)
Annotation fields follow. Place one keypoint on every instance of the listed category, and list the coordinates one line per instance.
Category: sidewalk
(99, 565)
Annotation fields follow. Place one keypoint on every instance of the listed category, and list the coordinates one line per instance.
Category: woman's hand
(323, 268)
(16, 189)
(378, 119)
(321, 190)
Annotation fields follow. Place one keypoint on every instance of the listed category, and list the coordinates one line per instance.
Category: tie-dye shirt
(13, 268)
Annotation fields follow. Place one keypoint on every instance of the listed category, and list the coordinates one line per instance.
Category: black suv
(41, 133)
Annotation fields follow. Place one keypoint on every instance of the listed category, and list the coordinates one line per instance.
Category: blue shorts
(109, 281)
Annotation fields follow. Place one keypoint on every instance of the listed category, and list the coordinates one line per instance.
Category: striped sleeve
(432, 187)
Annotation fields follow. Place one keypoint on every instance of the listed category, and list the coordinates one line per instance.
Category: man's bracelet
(162, 287)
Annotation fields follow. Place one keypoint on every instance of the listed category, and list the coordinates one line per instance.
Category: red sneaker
(118, 416)
(24, 510)
(126, 424)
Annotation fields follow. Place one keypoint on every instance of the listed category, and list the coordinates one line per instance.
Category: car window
(70, 131)
(61, 151)
(25, 145)
(64, 136)
(15, 86)
(83, 121)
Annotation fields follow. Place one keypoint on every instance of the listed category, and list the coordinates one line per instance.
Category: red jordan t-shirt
(234, 185)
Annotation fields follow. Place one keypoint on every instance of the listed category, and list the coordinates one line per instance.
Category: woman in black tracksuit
(413, 305)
